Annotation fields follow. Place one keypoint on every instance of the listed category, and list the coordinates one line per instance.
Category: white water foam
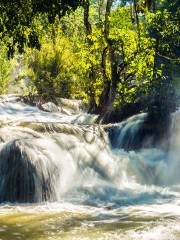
(111, 184)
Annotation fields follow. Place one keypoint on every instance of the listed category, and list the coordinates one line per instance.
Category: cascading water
(128, 134)
(84, 186)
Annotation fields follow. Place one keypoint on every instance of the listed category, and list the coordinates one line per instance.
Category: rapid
(62, 176)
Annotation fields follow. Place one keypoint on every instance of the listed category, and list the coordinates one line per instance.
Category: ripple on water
(68, 221)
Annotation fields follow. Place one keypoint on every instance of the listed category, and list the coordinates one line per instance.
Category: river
(62, 177)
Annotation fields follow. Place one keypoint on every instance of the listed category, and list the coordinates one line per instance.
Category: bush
(5, 70)
(52, 70)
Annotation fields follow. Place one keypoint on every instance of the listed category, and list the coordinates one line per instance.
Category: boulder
(26, 174)
(49, 107)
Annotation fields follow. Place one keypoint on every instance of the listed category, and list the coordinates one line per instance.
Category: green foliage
(52, 69)
(5, 70)
(140, 51)
(165, 28)
(17, 20)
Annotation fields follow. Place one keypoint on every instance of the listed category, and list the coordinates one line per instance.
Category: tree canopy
(113, 54)
(17, 20)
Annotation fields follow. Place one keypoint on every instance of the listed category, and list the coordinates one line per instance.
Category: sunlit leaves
(17, 17)
(5, 70)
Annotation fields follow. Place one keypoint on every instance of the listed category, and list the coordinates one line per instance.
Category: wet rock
(25, 174)
(72, 105)
(49, 107)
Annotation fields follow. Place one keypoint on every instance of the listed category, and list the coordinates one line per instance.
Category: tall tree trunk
(88, 27)
(87, 23)
(110, 85)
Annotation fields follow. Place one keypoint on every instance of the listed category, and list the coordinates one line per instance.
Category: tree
(163, 28)
(92, 73)
(123, 58)
(110, 55)
(17, 26)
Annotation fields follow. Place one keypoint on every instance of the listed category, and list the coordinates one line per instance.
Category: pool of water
(71, 222)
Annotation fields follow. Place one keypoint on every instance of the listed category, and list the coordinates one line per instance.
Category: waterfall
(174, 149)
(128, 134)
(27, 174)
(37, 167)
(54, 157)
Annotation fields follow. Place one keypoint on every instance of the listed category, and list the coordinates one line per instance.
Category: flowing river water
(62, 178)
